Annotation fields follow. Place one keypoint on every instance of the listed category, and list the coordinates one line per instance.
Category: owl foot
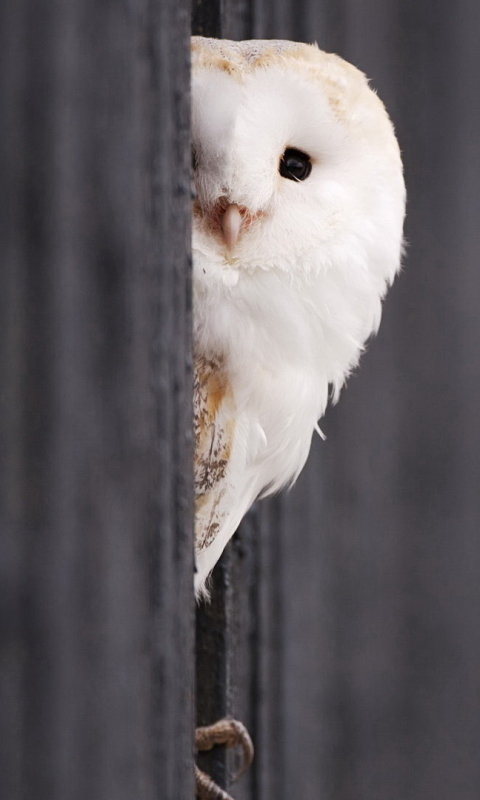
(231, 733)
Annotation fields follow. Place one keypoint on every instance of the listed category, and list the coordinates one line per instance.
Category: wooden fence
(344, 626)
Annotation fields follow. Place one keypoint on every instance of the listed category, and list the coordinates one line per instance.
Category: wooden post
(95, 424)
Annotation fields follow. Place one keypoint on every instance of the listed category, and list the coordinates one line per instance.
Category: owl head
(296, 142)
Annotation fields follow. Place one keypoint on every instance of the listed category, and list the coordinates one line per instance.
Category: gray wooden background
(344, 629)
(96, 668)
(355, 658)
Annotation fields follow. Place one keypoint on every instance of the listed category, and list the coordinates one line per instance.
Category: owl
(297, 233)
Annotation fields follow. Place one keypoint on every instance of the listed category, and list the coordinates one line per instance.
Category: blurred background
(344, 627)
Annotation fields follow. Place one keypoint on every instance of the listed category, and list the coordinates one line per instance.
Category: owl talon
(231, 733)
(206, 789)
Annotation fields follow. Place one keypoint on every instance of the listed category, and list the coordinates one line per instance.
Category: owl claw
(231, 733)
(206, 789)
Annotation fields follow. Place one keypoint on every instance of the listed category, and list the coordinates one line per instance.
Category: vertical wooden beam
(96, 511)
(207, 18)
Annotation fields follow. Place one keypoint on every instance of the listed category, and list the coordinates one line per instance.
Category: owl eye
(194, 159)
(295, 165)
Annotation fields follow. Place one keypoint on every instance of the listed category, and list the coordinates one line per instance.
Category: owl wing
(215, 424)
(225, 484)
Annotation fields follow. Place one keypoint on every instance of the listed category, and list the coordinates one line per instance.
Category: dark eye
(295, 165)
(194, 159)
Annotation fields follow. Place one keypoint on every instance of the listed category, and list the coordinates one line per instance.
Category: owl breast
(257, 397)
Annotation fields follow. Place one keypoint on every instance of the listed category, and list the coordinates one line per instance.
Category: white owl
(297, 233)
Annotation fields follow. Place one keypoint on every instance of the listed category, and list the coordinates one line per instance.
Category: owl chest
(263, 347)
(260, 320)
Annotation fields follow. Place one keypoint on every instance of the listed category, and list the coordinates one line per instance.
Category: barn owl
(297, 233)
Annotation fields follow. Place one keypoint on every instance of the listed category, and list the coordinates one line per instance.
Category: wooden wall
(352, 634)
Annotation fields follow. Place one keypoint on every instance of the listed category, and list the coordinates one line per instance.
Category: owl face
(296, 140)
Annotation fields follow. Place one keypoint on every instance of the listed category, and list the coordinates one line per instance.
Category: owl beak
(231, 223)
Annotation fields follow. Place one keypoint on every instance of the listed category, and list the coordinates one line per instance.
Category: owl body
(292, 256)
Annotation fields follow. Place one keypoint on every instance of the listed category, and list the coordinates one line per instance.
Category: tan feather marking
(214, 434)
(341, 82)
(211, 60)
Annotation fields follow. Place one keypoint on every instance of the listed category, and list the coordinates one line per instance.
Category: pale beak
(231, 223)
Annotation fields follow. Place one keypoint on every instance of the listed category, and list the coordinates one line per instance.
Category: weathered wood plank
(96, 529)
